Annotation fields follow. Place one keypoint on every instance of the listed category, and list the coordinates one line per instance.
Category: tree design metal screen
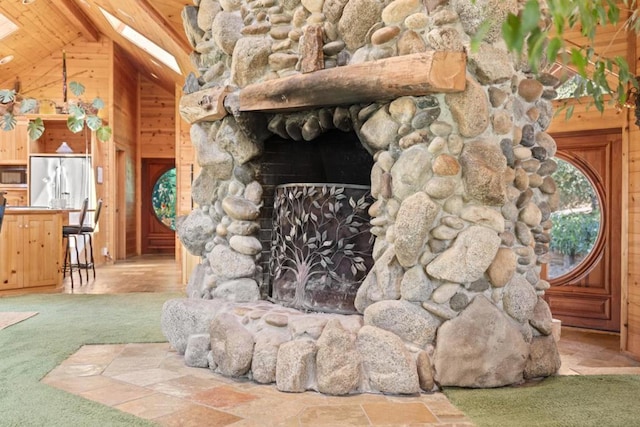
(321, 246)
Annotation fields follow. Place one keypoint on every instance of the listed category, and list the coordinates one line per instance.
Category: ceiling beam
(78, 18)
(172, 34)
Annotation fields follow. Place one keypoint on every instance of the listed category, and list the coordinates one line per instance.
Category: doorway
(585, 288)
(158, 206)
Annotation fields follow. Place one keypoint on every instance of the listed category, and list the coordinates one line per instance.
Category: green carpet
(32, 348)
(571, 401)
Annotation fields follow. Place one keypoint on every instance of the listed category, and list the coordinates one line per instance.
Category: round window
(164, 198)
(576, 223)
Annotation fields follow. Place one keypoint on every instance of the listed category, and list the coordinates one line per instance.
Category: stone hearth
(461, 186)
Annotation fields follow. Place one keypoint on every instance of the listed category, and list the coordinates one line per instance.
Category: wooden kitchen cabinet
(15, 196)
(13, 144)
(30, 250)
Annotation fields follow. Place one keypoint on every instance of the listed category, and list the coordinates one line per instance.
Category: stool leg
(75, 238)
(67, 261)
(86, 256)
(93, 265)
(66, 257)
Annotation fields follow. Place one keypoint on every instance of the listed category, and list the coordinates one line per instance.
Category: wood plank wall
(631, 298)
(87, 63)
(125, 139)
(157, 121)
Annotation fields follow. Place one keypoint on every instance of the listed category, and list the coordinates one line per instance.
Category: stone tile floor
(152, 382)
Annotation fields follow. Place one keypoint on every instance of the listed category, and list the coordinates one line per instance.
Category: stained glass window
(164, 198)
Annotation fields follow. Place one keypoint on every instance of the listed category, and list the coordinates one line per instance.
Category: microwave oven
(13, 175)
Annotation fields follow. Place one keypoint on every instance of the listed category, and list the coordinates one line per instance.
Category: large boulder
(338, 361)
(480, 348)
(388, 364)
(183, 317)
(231, 345)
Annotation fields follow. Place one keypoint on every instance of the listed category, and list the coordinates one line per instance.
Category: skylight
(142, 42)
(6, 26)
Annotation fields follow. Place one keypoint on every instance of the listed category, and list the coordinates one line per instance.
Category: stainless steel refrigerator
(61, 181)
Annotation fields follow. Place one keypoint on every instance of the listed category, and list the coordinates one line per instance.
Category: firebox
(316, 243)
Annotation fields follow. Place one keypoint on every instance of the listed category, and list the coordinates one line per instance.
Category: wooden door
(157, 237)
(11, 250)
(589, 295)
(42, 244)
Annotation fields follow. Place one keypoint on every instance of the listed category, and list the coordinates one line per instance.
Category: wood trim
(624, 205)
(138, 160)
(389, 78)
(78, 18)
(179, 39)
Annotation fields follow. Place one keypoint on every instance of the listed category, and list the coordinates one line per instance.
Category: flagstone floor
(152, 382)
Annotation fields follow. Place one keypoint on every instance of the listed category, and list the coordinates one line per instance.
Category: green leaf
(76, 88)
(579, 61)
(536, 47)
(530, 16)
(93, 122)
(570, 111)
(477, 38)
(75, 124)
(555, 44)
(7, 95)
(28, 105)
(8, 122)
(98, 103)
(77, 112)
(512, 34)
(104, 133)
(35, 128)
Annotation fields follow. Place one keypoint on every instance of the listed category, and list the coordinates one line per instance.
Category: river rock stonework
(462, 191)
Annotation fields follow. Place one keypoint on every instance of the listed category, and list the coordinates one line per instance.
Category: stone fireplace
(460, 186)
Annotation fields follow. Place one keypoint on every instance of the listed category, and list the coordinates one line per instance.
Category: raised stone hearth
(461, 187)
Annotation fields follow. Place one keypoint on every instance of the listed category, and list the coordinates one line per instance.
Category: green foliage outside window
(576, 223)
(574, 234)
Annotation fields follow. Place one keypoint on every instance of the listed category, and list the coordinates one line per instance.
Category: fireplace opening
(321, 193)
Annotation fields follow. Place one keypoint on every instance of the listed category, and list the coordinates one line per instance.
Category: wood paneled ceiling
(45, 27)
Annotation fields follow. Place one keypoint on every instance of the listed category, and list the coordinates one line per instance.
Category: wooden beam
(416, 74)
(204, 105)
(179, 38)
(79, 19)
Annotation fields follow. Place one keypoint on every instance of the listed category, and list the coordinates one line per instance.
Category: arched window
(163, 198)
(577, 224)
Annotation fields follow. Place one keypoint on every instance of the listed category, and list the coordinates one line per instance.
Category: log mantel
(409, 75)
(385, 79)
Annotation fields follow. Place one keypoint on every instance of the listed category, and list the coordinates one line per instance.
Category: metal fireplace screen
(321, 245)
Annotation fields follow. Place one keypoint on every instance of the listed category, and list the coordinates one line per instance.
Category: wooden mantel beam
(409, 75)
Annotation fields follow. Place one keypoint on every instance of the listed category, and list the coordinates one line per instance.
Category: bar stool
(87, 231)
(73, 231)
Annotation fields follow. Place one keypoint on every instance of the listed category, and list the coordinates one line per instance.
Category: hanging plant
(81, 114)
